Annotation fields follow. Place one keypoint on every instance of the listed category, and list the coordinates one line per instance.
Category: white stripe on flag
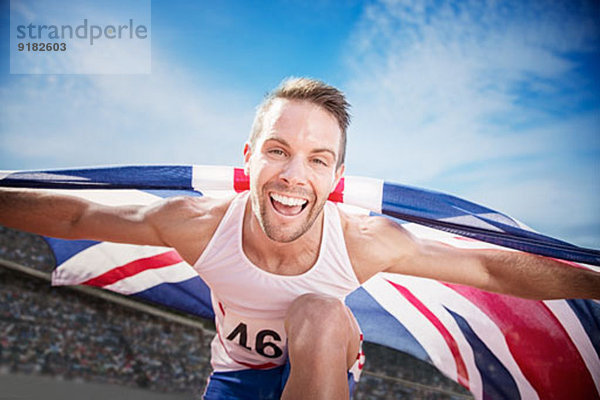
(595, 268)
(152, 277)
(352, 210)
(416, 323)
(99, 259)
(471, 220)
(4, 174)
(212, 178)
(218, 194)
(363, 192)
(110, 197)
(452, 239)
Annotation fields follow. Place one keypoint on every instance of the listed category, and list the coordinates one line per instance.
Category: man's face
(292, 167)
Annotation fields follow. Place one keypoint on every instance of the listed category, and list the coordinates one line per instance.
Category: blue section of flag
(452, 214)
(403, 199)
(131, 177)
(497, 381)
(191, 296)
(165, 193)
(588, 313)
(379, 326)
(65, 249)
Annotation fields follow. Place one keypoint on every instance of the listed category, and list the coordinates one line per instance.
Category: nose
(294, 173)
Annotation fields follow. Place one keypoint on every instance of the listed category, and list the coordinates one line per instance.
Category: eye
(276, 152)
(319, 161)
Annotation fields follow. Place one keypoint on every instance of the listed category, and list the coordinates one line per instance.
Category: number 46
(261, 346)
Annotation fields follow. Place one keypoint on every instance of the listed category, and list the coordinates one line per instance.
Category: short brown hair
(314, 91)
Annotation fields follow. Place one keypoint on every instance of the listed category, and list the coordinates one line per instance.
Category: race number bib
(253, 341)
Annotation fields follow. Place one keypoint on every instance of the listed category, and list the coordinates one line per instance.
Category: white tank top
(250, 303)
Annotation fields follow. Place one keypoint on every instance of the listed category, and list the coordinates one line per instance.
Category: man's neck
(292, 258)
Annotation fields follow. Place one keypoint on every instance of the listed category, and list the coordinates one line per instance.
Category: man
(280, 259)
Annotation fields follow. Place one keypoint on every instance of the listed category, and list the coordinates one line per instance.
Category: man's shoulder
(190, 222)
(369, 227)
(199, 205)
(372, 242)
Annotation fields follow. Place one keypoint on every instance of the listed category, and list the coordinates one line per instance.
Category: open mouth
(286, 205)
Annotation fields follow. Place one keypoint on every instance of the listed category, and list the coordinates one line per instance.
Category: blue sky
(497, 102)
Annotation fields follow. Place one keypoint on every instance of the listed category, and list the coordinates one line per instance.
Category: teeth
(288, 201)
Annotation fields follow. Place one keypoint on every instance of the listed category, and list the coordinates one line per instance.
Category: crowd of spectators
(25, 249)
(70, 335)
(387, 373)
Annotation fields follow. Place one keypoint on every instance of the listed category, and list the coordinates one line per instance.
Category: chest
(290, 265)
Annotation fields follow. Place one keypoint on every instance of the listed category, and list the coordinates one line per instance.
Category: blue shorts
(253, 384)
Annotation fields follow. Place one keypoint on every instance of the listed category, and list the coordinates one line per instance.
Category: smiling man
(280, 258)
(294, 155)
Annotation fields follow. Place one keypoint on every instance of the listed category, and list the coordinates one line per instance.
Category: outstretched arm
(509, 272)
(70, 217)
(184, 223)
(393, 249)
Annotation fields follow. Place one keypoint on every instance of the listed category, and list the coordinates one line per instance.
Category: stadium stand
(87, 335)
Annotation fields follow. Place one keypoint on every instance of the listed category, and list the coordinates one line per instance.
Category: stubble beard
(275, 231)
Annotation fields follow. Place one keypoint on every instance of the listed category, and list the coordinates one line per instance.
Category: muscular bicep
(385, 246)
(70, 217)
(179, 222)
(435, 260)
(184, 223)
(496, 270)
(134, 224)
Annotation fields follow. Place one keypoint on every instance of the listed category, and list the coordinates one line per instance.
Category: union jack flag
(497, 346)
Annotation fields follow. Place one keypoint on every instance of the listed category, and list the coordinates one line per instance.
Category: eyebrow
(286, 144)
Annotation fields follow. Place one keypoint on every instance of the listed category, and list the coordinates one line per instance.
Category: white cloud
(172, 115)
(169, 116)
(440, 89)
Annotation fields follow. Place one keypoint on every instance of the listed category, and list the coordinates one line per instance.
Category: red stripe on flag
(338, 194)
(461, 368)
(135, 267)
(361, 365)
(466, 239)
(539, 344)
(241, 182)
